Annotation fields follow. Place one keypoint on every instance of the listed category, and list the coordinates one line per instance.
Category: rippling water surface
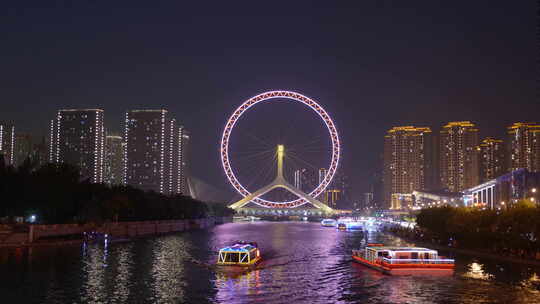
(304, 263)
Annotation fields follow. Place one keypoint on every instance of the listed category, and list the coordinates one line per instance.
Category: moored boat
(328, 223)
(403, 260)
(239, 256)
(350, 225)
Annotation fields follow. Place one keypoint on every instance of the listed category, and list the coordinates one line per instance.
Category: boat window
(243, 258)
(383, 254)
(232, 257)
(426, 255)
(414, 255)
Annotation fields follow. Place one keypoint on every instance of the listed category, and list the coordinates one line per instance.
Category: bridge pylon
(280, 182)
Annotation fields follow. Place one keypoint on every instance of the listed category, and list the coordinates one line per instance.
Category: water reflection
(232, 287)
(533, 282)
(168, 270)
(476, 271)
(93, 271)
(121, 285)
(303, 263)
(297, 257)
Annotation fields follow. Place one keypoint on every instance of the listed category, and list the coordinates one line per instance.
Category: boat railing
(418, 261)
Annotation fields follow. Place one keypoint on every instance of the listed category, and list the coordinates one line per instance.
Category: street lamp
(533, 190)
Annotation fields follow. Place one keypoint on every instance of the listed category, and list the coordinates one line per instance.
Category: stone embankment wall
(33, 234)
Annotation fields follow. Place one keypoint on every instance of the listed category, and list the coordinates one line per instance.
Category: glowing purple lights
(267, 96)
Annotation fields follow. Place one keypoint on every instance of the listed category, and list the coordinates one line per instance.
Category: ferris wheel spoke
(259, 152)
(266, 171)
(316, 144)
(303, 161)
(259, 140)
(251, 156)
(255, 166)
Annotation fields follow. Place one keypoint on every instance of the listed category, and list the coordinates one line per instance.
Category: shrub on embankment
(56, 194)
(515, 230)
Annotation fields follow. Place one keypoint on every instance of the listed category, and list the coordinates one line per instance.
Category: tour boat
(403, 260)
(239, 256)
(350, 225)
(328, 223)
(249, 218)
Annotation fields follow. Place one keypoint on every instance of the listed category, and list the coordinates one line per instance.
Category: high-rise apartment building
(114, 160)
(155, 153)
(23, 148)
(39, 154)
(298, 178)
(306, 179)
(458, 156)
(331, 197)
(183, 161)
(408, 161)
(336, 194)
(491, 158)
(7, 143)
(77, 138)
(524, 146)
(368, 200)
(322, 174)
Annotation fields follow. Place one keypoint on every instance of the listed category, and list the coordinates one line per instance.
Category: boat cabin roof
(400, 249)
(239, 248)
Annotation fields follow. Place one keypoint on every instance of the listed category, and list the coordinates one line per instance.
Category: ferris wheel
(302, 198)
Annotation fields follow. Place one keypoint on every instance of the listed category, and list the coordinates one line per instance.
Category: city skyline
(387, 76)
(270, 152)
(489, 157)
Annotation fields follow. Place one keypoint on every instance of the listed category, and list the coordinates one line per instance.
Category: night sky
(371, 64)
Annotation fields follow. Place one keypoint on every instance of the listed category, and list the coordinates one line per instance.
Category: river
(303, 263)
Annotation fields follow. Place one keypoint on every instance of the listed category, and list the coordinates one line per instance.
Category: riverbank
(470, 252)
(67, 234)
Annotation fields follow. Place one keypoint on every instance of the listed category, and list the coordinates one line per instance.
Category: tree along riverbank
(475, 253)
(56, 194)
(510, 234)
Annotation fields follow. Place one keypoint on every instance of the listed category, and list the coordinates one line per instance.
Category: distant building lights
(51, 142)
(12, 144)
(171, 145)
(58, 117)
(179, 181)
(101, 154)
(1, 137)
(162, 151)
(124, 177)
(96, 145)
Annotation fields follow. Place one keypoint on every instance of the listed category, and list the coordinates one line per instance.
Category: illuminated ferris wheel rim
(294, 96)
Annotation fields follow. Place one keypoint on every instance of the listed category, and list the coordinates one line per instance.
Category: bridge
(318, 209)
